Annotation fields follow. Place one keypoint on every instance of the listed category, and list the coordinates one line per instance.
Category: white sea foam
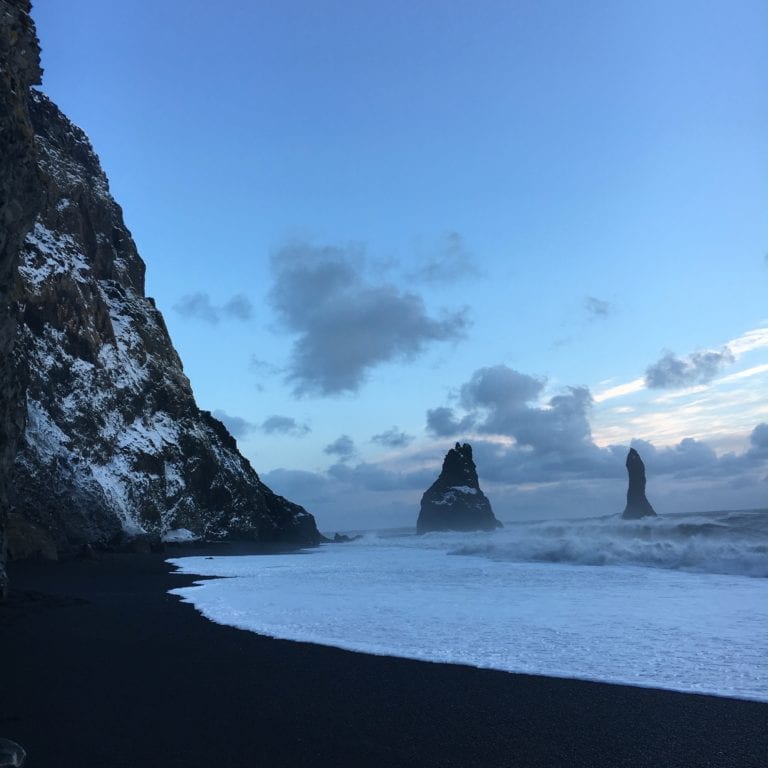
(512, 601)
(715, 542)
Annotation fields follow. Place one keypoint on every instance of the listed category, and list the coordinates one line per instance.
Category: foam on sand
(523, 600)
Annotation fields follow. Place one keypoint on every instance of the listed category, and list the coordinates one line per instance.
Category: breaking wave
(733, 543)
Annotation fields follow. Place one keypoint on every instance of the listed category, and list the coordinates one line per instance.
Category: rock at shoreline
(637, 503)
(454, 502)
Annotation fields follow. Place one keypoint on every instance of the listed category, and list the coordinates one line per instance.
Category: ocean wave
(733, 543)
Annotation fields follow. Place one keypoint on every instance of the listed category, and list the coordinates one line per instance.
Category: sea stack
(637, 503)
(454, 502)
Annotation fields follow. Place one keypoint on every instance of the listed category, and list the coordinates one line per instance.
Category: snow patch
(43, 435)
(49, 253)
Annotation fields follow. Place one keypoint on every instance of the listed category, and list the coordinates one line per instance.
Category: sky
(375, 229)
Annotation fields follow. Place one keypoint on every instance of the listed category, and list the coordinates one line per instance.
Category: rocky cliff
(115, 447)
(454, 502)
(20, 198)
(637, 503)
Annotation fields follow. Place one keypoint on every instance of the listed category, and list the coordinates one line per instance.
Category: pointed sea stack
(454, 502)
(637, 503)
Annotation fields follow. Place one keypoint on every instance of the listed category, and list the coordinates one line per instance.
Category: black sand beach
(101, 668)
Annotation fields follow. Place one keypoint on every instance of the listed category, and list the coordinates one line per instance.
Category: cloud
(757, 338)
(239, 306)
(199, 306)
(443, 422)
(392, 438)
(522, 439)
(451, 261)
(501, 389)
(688, 458)
(343, 447)
(237, 426)
(519, 439)
(670, 368)
(272, 425)
(597, 308)
(307, 488)
(759, 440)
(284, 425)
(620, 390)
(501, 399)
(345, 324)
(374, 477)
(671, 372)
(755, 370)
(262, 368)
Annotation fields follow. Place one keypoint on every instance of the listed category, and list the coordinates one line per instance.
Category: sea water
(679, 602)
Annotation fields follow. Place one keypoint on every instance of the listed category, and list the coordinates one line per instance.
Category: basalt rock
(637, 503)
(454, 502)
(114, 446)
(20, 200)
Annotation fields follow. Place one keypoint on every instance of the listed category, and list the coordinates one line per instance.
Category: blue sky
(409, 223)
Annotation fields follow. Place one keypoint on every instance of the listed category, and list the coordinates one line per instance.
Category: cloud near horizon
(548, 442)
(272, 425)
(343, 447)
(237, 426)
(199, 306)
(347, 325)
(284, 425)
(392, 438)
(576, 482)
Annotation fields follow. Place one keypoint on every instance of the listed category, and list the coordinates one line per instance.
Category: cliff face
(115, 446)
(454, 502)
(19, 203)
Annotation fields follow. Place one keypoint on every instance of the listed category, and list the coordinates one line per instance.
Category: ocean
(677, 602)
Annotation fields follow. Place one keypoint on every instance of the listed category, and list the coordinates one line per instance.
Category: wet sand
(102, 668)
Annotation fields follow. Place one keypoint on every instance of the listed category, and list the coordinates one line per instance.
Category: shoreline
(101, 664)
(200, 577)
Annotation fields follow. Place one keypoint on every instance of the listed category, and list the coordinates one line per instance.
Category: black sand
(101, 668)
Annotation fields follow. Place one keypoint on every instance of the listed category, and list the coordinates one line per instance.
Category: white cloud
(620, 390)
(756, 370)
(754, 339)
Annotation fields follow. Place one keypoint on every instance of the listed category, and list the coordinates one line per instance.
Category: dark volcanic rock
(114, 446)
(20, 199)
(454, 502)
(637, 504)
(342, 538)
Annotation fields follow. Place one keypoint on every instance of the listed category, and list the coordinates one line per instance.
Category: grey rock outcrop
(20, 199)
(454, 502)
(637, 503)
(114, 448)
